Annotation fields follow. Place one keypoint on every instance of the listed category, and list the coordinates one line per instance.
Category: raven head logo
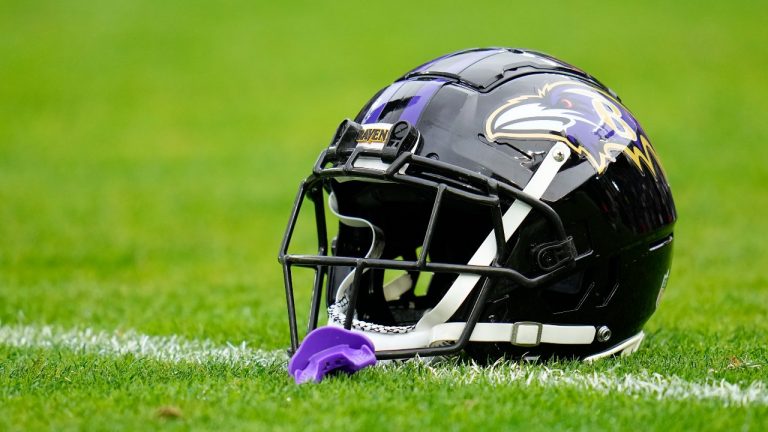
(588, 120)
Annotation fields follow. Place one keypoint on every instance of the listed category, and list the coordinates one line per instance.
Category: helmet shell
(498, 111)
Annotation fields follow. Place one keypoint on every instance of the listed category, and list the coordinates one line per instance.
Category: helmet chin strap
(433, 328)
(512, 219)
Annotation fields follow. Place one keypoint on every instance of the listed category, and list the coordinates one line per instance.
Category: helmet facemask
(381, 229)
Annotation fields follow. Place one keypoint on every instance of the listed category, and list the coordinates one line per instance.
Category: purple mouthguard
(327, 349)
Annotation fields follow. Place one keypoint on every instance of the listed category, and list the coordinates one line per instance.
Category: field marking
(639, 384)
(178, 349)
(164, 348)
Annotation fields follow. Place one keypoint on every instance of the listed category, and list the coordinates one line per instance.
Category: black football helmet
(495, 201)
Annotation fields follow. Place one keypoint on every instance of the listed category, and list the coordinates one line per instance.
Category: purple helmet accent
(420, 100)
(378, 106)
(327, 349)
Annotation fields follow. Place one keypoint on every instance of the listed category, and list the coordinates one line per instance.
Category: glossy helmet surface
(495, 201)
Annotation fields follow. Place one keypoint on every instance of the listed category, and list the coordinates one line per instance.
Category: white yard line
(640, 384)
(178, 349)
(164, 348)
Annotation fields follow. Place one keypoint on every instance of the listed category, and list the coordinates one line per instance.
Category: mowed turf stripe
(178, 349)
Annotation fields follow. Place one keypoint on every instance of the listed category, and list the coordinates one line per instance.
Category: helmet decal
(373, 133)
(590, 121)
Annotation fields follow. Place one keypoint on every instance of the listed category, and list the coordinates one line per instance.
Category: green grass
(78, 390)
(150, 152)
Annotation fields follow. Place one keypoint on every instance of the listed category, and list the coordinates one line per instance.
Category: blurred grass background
(150, 151)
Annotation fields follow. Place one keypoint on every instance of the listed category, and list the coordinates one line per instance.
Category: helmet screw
(603, 334)
(559, 156)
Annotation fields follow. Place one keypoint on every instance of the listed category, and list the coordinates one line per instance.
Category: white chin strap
(433, 328)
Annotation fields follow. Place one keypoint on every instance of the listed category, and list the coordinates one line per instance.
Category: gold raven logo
(588, 120)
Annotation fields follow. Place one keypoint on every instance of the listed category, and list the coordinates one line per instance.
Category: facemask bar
(553, 257)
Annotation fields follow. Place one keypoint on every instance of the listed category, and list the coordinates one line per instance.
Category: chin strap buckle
(526, 333)
(552, 255)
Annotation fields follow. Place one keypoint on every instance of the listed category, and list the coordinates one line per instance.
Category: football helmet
(495, 201)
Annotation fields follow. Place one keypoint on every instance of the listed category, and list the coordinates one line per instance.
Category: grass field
(150, 151)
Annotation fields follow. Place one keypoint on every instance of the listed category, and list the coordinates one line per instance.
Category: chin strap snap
(550, 256)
